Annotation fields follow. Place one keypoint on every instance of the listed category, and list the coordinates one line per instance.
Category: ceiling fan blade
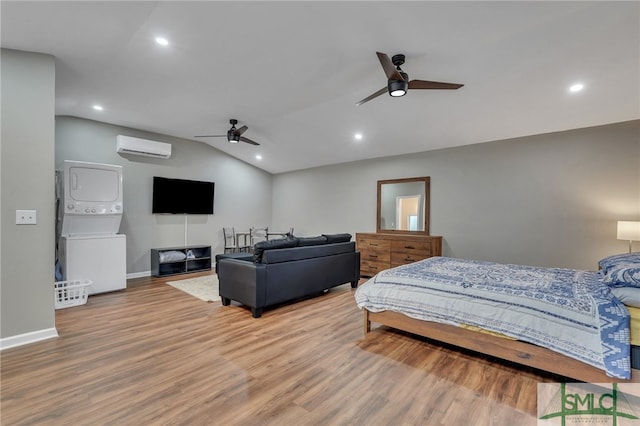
(423, 84)
(375, 95)
(389, 69)
(211, 136)
(240, 130)
(247, 140)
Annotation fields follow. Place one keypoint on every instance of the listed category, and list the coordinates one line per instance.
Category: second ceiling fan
(398, 81)
(233, 135)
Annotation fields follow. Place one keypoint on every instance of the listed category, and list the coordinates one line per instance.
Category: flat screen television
(181, 196)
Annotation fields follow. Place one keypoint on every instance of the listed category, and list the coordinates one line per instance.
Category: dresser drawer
(404, 258)
(373, 244)
(422, 247)
(373, 255)
(369, 268)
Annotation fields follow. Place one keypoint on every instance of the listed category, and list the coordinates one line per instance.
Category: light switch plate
(25, 217)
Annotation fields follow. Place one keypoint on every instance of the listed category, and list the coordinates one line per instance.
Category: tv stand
(196, 258)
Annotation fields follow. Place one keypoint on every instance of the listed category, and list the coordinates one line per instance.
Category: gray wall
(26, 170)
(549, 200)
(242, 192)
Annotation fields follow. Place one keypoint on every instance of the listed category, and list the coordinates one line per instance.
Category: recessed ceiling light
(358, 136)
(576, 87)
(98, 107)
(258, 157)
(162, 41)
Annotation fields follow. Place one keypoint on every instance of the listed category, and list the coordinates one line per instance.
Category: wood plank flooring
(153, 355)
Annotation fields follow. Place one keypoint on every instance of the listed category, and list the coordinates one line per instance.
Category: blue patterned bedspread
(568, 311)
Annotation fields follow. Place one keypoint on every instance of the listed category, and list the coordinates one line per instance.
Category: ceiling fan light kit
(397, 88)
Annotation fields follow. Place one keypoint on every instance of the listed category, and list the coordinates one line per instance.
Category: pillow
(628, 295)
(280, 243)
(618, 259)
(624, 275)
(312, 241)
(171, 256)
(337, 238)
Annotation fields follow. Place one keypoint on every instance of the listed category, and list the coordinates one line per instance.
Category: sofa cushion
(309, 252)
(337, 238)
(259, 248)
(312, 241)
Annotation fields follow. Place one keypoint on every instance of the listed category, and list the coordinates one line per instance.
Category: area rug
(204, 288)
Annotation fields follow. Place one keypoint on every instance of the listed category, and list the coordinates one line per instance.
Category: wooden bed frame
(511, 350)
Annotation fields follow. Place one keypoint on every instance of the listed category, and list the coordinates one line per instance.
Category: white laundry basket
(70, 293)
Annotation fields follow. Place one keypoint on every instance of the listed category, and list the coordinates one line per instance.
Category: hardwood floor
(154, 355)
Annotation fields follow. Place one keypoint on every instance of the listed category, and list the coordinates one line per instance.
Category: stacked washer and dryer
(89, 247)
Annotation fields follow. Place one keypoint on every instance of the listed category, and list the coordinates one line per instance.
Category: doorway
(407, 208)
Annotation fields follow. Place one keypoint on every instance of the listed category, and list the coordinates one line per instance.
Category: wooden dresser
(379, 251)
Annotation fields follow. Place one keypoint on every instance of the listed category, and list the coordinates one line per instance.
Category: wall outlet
(25, 217)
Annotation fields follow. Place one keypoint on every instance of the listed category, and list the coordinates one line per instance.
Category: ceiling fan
(398, 81)
(233, 135)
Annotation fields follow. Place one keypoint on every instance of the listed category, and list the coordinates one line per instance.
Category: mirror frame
(426, 180)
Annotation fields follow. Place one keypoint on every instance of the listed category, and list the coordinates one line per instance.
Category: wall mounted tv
(181, 196)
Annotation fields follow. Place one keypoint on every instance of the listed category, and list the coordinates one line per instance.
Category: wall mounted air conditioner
(137, 146)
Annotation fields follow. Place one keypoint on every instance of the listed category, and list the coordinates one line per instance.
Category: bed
(564, 321)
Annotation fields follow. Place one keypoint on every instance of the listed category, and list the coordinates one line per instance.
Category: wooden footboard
(512, 350)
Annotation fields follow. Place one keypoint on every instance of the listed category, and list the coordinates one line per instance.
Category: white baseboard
(139, 274)
(26, 338)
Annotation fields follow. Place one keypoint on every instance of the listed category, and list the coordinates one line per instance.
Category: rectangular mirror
(403, 206)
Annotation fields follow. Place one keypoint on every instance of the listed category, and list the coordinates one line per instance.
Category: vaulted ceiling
(293, 71)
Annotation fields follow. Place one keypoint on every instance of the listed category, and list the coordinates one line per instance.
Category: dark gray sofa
(280, 275)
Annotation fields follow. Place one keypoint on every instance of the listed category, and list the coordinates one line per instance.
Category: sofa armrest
(242, 281)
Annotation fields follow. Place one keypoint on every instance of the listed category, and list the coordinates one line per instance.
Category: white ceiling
(293, 71)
